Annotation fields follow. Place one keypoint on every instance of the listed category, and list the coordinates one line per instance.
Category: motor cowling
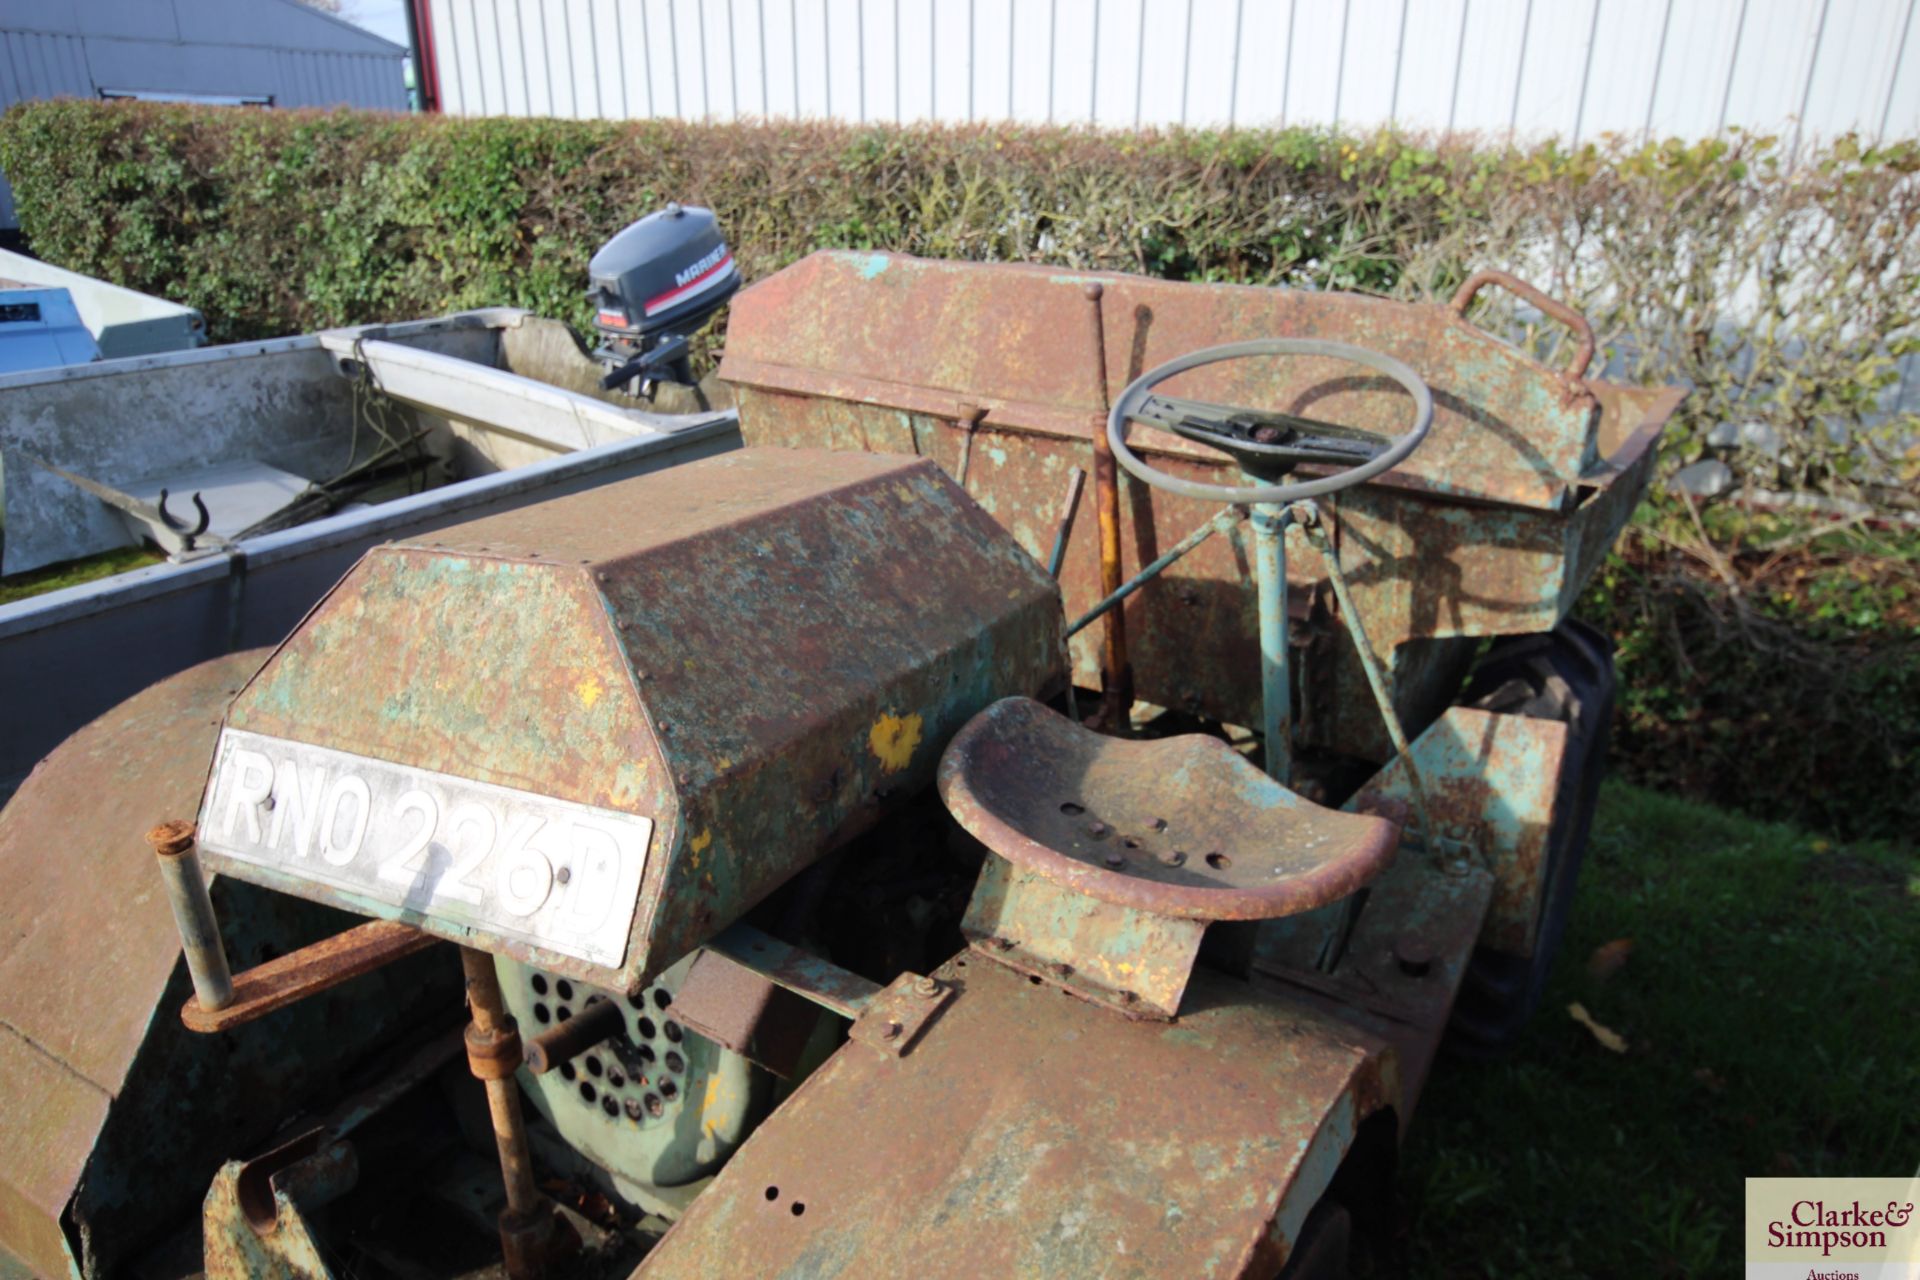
(655, 285)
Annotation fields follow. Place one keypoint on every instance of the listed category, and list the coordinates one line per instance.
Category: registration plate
(559, 875)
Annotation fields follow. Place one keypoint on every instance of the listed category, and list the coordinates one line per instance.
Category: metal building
(263, 53)
(1575, 68)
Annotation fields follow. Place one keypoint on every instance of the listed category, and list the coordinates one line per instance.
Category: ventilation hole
(773, 1193)
(662, 997)
(798, 1209)
(647, 1029)
(655, 1107)
(587, 1092)
(593, 1066)
(674, 1062)
(636, 1002)
(1073, 810)
(1131, 843)
(960, 964)
(1219, 861)
(646, 1053)
(541, 1015)
(608, 1105)
(539, 984)
(614, 1078)
(1159, 824)
(567, 1072)
(634, 1109)
(673, 1031)
(564, 990)
(563, 1013)
(668, 1089)
(1034, 979)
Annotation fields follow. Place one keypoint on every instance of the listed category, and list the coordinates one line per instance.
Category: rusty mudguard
(1028, 1133)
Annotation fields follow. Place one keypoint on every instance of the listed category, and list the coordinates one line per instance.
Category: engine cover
(589, 734)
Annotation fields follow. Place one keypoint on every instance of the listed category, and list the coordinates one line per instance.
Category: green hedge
(274, 222)
(1781, 685)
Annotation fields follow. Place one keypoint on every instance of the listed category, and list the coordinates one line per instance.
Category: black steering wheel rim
(1140, 388)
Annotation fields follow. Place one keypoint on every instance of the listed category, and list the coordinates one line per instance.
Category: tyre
(1566, 675)
(1324, 1246)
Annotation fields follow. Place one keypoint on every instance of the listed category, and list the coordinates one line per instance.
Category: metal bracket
(889, 1018)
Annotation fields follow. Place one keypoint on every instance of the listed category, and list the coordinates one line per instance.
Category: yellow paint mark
(723, 764)
(892, 740)
(701, 842)
(589, 690)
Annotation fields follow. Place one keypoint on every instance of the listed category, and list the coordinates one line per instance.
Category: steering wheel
(1267, 445)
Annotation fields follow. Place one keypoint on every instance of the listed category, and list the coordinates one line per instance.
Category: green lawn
(1771, 1006)
(21, 586)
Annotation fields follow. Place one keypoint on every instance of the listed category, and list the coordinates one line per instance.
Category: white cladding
(1576, 68)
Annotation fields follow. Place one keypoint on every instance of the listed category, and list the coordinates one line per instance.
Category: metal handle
(1566, 315)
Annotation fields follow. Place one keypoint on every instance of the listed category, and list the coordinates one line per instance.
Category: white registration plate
(560, 875)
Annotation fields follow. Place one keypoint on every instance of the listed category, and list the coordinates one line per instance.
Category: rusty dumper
(1036, 810)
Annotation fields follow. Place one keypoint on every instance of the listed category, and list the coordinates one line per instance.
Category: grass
(1769, 1007)
(72, 573)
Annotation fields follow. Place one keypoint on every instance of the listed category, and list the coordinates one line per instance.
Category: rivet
(563, 875)
(1159, 824)
(1113, 858)
(892, 1031)
(1174, 859)
(1062, 970)
(1098, 830)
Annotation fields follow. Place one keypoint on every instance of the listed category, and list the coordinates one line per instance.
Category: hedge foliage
(273, 222)
(1777, 675)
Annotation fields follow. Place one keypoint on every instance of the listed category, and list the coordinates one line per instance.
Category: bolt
(927, 987)
(1003, 944)
(891, 1031)
(1413, 955)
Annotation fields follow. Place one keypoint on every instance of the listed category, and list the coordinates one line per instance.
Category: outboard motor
(653, 287)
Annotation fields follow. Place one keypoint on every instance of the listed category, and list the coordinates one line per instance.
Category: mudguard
(1029, 1133)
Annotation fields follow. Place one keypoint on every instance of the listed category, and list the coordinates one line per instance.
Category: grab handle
(1566, 315)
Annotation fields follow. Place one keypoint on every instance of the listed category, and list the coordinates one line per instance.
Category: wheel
(1567, 675)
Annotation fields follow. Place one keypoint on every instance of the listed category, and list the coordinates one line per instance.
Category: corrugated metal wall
(1575, 68)
(277, 50)
(274, 49)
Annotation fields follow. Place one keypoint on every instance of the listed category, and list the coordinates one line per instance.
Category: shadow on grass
(1771, 1005)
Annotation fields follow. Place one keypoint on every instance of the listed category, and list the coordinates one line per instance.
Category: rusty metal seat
(1181, 827)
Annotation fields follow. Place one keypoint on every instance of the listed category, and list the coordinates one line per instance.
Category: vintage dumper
(1036, 811)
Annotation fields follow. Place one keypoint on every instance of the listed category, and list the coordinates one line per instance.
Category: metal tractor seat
(1113, 856)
